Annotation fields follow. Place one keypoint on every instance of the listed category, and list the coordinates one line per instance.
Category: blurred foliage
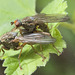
(71, 25)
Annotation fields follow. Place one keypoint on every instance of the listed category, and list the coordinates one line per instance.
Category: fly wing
(34, 38)
(50, 18)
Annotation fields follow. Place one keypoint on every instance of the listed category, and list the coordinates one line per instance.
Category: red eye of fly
(17, 23)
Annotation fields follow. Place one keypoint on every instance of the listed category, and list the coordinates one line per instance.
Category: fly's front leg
(2, 51)
(38, 53)
(20, 31)
(23, 31)
(13, 29)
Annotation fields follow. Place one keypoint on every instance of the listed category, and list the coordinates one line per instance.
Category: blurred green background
(64, 64)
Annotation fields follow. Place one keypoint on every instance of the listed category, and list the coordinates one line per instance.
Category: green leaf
(55, 7)
(29, 62)
(17, 9)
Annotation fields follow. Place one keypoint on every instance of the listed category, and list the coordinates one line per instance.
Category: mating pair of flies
(29, 34)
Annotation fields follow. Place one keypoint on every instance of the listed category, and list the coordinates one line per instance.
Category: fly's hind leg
(38, 53)
(42, 51)
(56, 49)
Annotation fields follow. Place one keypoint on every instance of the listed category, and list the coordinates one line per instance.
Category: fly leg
(44, 27)
(41, 51)
(41, 48)
(38, 53)
(23, 31)
(2, 51)
(47, 29)
(20, 47)
(56, 49)
(13, 29)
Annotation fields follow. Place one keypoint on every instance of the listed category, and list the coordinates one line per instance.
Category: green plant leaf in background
(11, 10)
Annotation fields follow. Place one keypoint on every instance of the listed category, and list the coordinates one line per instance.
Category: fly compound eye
(17, 23)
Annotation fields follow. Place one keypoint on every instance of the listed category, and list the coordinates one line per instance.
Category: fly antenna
(12, 23)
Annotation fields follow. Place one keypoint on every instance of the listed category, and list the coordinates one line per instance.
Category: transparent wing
(34, 38)
(50, 18)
